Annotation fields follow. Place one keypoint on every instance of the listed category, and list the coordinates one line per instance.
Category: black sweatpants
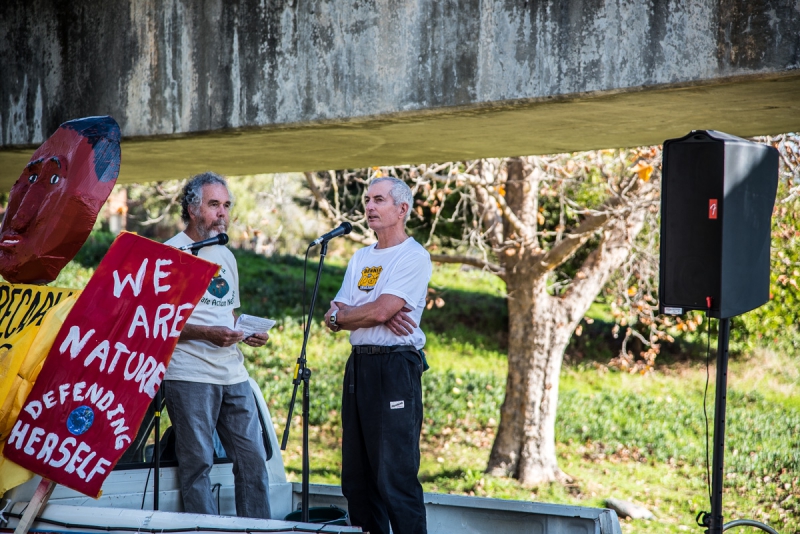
(381, 424)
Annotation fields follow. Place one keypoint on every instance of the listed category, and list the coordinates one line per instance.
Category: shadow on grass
(273, 286)
(597, 344)
(479, 318)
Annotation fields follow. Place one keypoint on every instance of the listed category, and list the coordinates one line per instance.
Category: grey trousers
(195, 409)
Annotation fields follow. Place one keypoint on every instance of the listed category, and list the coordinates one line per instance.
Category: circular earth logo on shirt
(218, 287)
(80, 420)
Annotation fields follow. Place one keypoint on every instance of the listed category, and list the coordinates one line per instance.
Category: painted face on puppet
(54, 203)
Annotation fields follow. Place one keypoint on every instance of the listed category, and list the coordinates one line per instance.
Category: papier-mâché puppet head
(54, 203)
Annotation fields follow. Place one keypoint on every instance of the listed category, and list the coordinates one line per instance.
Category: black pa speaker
(717, 196)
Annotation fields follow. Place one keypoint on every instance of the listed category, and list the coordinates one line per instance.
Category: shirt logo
(218, 287)
(396, 405)
(369, 277)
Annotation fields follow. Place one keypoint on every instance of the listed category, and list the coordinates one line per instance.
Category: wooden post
(40, 497)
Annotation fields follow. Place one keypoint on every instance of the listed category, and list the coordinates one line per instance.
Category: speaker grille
(691, 238)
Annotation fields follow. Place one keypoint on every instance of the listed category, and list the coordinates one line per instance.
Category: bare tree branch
(470, 260)
(324, 205)
(572, 242)
(334, 215)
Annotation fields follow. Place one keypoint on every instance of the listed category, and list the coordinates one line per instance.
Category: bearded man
(206, 383)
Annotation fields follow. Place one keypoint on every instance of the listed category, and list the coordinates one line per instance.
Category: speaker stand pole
(717, 470)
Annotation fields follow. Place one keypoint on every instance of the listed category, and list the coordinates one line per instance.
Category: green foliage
(466, 399)
(73, 276)
(776, 322)
(273, 286)
(95, 248)
(266, 216)
(671, 429)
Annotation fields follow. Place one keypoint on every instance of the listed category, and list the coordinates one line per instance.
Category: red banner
(107, 363)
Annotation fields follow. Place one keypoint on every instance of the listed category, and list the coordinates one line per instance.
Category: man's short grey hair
(400, 192)
(193, 192)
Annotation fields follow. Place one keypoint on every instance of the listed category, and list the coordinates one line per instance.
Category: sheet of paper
(251, 324)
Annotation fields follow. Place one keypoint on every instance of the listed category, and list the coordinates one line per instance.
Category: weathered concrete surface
(256, 86)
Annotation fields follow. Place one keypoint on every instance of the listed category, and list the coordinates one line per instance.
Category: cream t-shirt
(202, 361)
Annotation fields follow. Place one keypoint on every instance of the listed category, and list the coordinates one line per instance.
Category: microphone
(342, 229)
(220, 239)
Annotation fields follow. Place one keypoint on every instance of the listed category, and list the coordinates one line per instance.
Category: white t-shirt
(202, 361)
(404, 271)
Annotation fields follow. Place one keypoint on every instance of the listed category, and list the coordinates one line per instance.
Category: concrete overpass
(246, 86)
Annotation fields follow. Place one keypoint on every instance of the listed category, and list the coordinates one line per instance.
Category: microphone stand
(303, 374)
(157, 450)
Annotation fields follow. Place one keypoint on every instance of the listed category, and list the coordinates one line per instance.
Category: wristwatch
(332, 319)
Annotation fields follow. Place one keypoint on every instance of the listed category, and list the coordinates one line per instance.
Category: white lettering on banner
(106, 401)
(160, 322)
(76, 457)
(153, 381)
(49, 446)
(84, 463)
(115, 411)
(119, 426)
(139, 319)
(145, 371)
(77, 391)
(65, 452)
(128, 373)
(128, 280)
(99, 468)
(34, 409)
(74, 460)
(36, 437)
(120, 349)
(18, 433)
(161, 319)
(101, 352)
(94, 393)
(159, 274)
(74, 342)
(178, 317)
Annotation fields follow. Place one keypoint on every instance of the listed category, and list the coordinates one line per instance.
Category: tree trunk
(539, 331)
(540, 326)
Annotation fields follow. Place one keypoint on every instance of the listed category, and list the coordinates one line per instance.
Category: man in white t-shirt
(381, 302)
(206, 383)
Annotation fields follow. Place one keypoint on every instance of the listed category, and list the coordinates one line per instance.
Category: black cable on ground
(749, 523)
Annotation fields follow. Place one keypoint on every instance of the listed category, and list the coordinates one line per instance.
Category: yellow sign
(22, 312)
(23, 305)
(369, 277)
(30, 318)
